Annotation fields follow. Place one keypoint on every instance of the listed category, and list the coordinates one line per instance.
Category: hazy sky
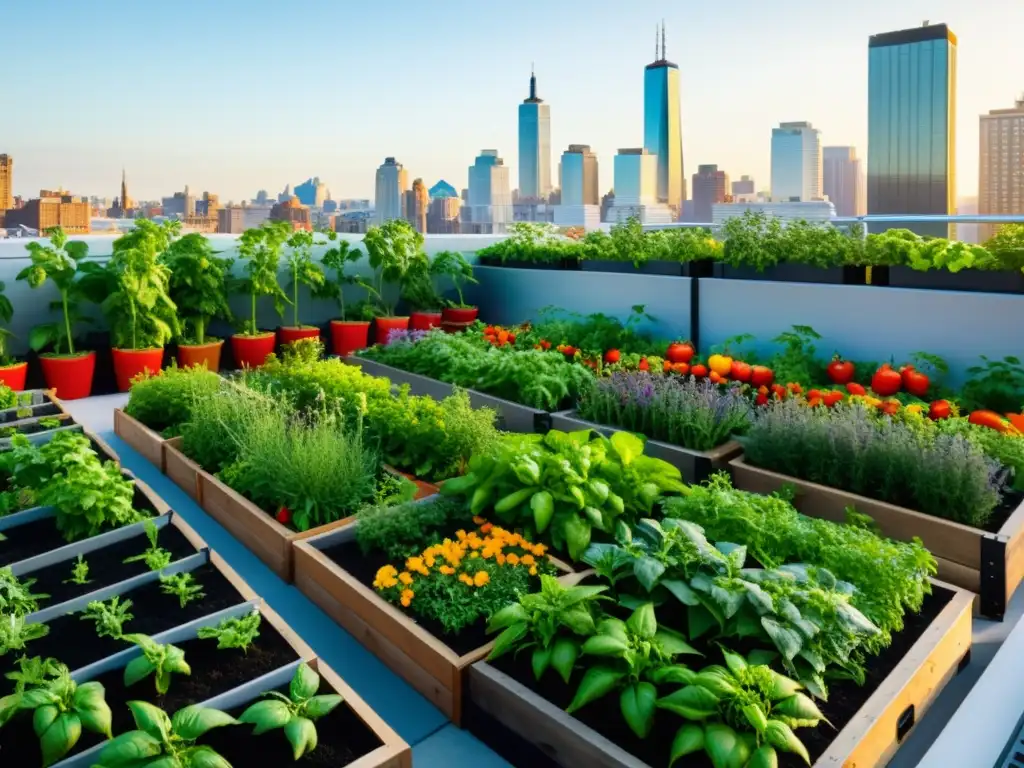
(232, 96)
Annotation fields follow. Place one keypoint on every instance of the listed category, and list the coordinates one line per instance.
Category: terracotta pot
(129, 363)
(348, 336)
(424, 321)
(252, 351)
(383, 326)
(288, 334)
(208, 354)
(459, 314)
(13, 375)
(69, 376)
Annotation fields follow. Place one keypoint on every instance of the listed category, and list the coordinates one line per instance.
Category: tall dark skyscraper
(663, 133)
(534, 145)
(912, 125)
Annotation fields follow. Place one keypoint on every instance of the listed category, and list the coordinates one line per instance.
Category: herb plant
(996, 385)
(79, 572)
(165, 402)
(50, 422)
(6, 313)
(16, 597)
(156, 557)
(15, 634)
(183, 586)
(399, 531)
(234, 632)
(32, 672)
(261, 249)
(337, 259)
(455, 267)
(157, 659)
(395, 251)
(161, 741)
(302, 269)
(110, 616)
(296, 713)
(198, 285)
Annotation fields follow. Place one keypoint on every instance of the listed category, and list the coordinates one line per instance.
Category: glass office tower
(663, 133)
(534, 146)
(911, 125)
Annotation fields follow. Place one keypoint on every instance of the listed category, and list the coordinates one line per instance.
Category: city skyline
(230, 141)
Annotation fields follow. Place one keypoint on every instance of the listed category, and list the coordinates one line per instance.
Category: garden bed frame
(870, 738)
(513, 417)
(696, 466)
(392, 635)
(140, 437)
(181, 469)
(988, 564)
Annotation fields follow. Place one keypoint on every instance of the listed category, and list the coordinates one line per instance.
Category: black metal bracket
(993, 576)
(695, 312)
(542, 423)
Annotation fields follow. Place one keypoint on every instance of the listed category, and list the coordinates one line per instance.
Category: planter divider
(140, 437)
(181, 469)
(39, 398)
(988, 564)
(696, 466)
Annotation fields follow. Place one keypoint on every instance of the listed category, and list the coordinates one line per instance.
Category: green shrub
(163, 402)
(401, 531)
(210, 436)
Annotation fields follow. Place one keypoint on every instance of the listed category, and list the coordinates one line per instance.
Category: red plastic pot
(424, 321)
(193, 355)
(288, 334)
(348, 336)
(13, 375)
(69, 375)
(129, 363)
(383, 326)
(459, 314)
(252, 351)
(454, 327)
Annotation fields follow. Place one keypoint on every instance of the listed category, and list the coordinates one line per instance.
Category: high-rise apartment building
(6, 182)
(416, 203)
(663, 133)
(53, 209)
(534, 146)
(710, 186)
(912, 125)
(579, 176)
(743, 186)
(489, 201)
(796, 162)
(392, 182)
(1001, 166)
(231, 221)
(636, 189)
(443, 216)
(844, 181)
(294, 212)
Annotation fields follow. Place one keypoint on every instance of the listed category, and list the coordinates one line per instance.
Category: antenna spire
(663, 54)
(655, 42)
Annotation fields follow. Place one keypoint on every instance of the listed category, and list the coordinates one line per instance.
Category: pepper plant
(455, 267)
(261, 249)
(395, 251)
(302, 269)
(59, 261)
(157, 659)
(160, 741)
(198, 285)
(337, 259)
(295, 713)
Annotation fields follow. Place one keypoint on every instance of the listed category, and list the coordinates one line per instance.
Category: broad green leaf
(604, 645)
(734, 661)
(37, 697)
(540, 661)
(788, 641)
(761, 656)
(597, 682)
(647, 571)
(507, 616)
(783, 687)
(563, 657)
(799, 706)
(43, 718)
(301, 734)
(60, 737)
(764, 756)
(266, 715)
(755, 716)
(579, 593)
(700, 620)
(781, 736)
(543, 507)
(673, 643)
(205, 757)
(9, 707)
(720, 742)
(692, 702)
(508, 640)
(675, 673)
(88, 693)
(642, 622)
(138, 669)
(96, 716)
(627, 445)
(613, 628)
(681, 591)
(577, 536)
(322, 705)
(717, 680)
(637, 703)
(129, 748)
(192, 722)
(150, 719)
(305, 683)
(578, 619)
(688, 739)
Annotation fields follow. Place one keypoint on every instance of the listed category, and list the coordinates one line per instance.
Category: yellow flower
(481, 578)
(913, 408)
(460, 534)
(512, 559)
(405, 577)
(408, 594)
(474, 555)
(527, 560)
(533, 570)
(447, 570)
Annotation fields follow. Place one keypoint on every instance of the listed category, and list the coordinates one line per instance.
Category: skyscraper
(636, 189)
(663, 134)
(534, 146)
(392, 181)
(912, 124)
(312, 192)
(1001, 169)
(416, 203)
(579, 176)
(489, 202)
(744, 185)
(6, 182)
(710, 186)
(844, 181)
(796, 162)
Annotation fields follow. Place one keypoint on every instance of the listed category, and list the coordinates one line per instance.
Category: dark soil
(1007, 506)
(604, 716)
(342, 738)
(213, 673)
(152, 612)
(106, 566)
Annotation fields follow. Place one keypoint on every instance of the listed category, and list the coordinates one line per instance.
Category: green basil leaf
(693, 702)
(563, 657)
(604, 645)
(783, 687)
(637, 703)
(322, 705)
(9, 706)
(543, 507)
(43, 718)
(95, 716)
(642, 622)
(675, 673)
(578, 619)
(673, 644)
(681, 591)
(37, 697)
(301, 734)
(128, 749)
(647, 571)
(205, 757)
(508, 640)
(788, 641)
(613, 628)
(507, 616)
(88, 693)
(799, 706)
(577, 536)
(192, 722)
(266, 716)
(718, 680)
(60, 738)
(540, 661)
(305, 683)
(764, 757)
(688, 739)
(719, 742)
(138, 669)
(597, 682)
(151, 719)
(627, 445)
(781, 736)
(756, 717)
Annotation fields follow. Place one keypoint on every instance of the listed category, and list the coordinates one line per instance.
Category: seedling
(110, 616)
(16, 598)
(23, 413)
(49, 422)
(295, 712)
(156, 558)
(8, 431)
(15, 634)
(79, 573)
(164, 741)
(157, 659)
(234, 632)
(184, 586)
(60, 710)
(33, 672)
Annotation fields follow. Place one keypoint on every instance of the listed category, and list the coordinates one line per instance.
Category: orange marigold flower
(466, 579)
(500, 558)
(478, 520)
(486, 527)
(481, 578)
(447, 570)
(405, 577)
(512, 559)
(460, 534)
(527, 560)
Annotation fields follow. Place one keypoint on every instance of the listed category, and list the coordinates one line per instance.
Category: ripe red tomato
(886, 382)
(740, 371)
(761, 376)
(283, 516)
(762, 398)
(644, 365)
(940, 409)
(855, 389)
(700, 371)
(681, 368)
(831, 398)
(840, 371)
(679, 352)
(915, 382)
(611, 357)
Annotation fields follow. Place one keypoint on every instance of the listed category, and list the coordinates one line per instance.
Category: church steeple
(126, 203)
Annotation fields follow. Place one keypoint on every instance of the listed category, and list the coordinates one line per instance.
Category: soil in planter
(1007, 506)
(604, 715)
(46, 409)
(106, 566)
(35, 426)
(342, 739)
(153, 612)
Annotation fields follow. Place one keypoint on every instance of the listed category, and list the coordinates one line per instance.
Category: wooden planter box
(696, 466)
(989, 564)
(393, 636)
(181, 469)
(513, 417)
(140, 437)
(870, 738)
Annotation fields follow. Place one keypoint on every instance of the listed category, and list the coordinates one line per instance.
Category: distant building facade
(312, 192)
(844, 181)
(392, 183)
(231, 221)
(744, 185)
(534, 146)
(796, 163)
(489, 207)
(443, 216)
(709, 186)
(579, 180)
(417, 200)
(442, 189)
(636, 189)
(1001, 166)
(6, 182)
(294, 212)
(53, 209)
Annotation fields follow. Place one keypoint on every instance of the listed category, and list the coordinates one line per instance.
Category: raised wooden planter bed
(421, 659)
(140, 437)
(511, 717)
(512, 417)
(181, 469)
(989, 564)
(696, 466)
